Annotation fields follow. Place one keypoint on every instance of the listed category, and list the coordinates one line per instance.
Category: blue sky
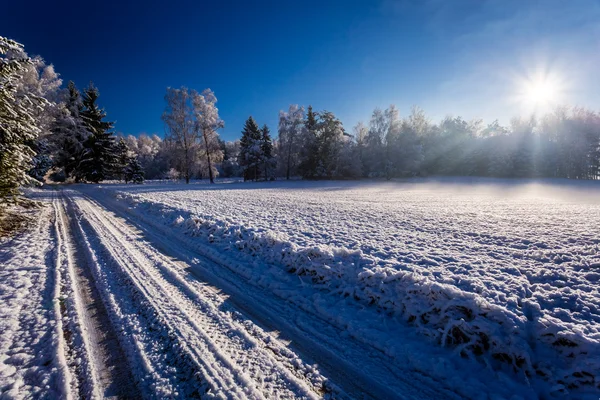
(461, 57)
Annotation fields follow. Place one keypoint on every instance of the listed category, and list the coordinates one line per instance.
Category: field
(424, 289)
(499, 267)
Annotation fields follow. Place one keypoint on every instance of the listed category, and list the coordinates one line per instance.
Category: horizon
(478, 60)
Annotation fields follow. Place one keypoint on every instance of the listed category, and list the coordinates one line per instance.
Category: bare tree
(207, 122)
(181, 130)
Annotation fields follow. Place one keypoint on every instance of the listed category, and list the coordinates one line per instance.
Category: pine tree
(69, 133)
(133, 171)
(310, 146)
(267, 150)
(250, 149)
(330, 140)
(18, 128)
(99, 157)
(122, 158)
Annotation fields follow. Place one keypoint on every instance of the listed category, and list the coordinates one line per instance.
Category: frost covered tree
(360, 135)
(18, 129)
(231, 155)
(133, 172)
(99, 159)
(330, 139)
(374, 157)
(291, 129)
(122, 158)
(182, 130)
(266, 146)
(152, 154)
(207, 122)
(69, 132)
(40, 80)
(309, 155)
(251, 154)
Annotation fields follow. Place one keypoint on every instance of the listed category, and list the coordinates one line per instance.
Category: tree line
(48, 132)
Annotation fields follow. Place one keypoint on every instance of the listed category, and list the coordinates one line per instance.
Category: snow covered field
(415, 290)
(506, 272)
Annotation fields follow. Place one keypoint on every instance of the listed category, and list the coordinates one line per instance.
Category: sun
(540, 91)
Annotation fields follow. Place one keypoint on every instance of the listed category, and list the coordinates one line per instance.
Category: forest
(49, 132)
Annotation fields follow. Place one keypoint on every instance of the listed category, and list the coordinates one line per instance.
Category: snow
(32, 361)
(505, 273)
(424, 289)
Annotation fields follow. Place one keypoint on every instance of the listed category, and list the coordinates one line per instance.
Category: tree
(207, 123)
(291, 128)
(99, 159)
(309, 157)
(392, 142)
(251, 149)
(181, 129)
(69, 133)
(40, 80)
(122, 158)
(267, 150)
(231, 155)
(18, 129)
(375, 158)
(133, 171)
(152, 154)
(360, 135)
(330, 140)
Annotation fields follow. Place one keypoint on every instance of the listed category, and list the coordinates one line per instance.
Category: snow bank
(525, 334)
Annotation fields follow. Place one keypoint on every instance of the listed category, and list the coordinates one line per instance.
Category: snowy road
(137, 314)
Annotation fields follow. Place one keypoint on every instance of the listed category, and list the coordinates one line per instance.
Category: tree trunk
(187, 167)
(289, 158)
(210, 172)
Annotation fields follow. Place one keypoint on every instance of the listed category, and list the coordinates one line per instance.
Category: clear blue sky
(462, 57)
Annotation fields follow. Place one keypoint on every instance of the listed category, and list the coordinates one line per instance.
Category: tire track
(233, 361)
(104, 372)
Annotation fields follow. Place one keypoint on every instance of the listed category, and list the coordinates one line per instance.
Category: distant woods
(49, 132)
(316, 145)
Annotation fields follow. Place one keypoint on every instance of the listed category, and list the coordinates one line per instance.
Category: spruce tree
(133, 171)
(250, 149)
(122, 159)
(310, 150)
(99, 158)
(266, 147)
(18, 128)
(69, 134)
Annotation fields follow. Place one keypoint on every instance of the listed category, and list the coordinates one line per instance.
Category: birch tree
(291, 126)
(180, 127)
(207, 122)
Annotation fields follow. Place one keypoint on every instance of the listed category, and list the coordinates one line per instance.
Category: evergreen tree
(310, 146)
(18, 129)
(250, 149)
(330, 141)
(122, 158)
(133, 171)
(267, 151)
(69, 133)
(99, 158)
